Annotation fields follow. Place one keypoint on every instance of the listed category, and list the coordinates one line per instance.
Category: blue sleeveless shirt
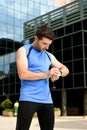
(36, 90)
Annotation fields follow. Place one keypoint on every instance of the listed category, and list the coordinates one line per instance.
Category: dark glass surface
(8, 77)
(69, 49)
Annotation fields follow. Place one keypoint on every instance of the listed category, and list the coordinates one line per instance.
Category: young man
(33, 70)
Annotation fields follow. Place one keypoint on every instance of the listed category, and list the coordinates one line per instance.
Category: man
(33, 70)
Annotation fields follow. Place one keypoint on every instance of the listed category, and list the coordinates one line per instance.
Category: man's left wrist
(61, 72)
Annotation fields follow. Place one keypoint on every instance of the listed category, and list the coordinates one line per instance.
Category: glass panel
(10, 20)
(10, 12)
(3, 18)
(68, 82)
(77, 26)
(85, 38)
(6, 59)
(17, 6)
(67, 55)
(2, 28)
(17, 30)
(17, 87)
(24, 7)
(12, 69)
(77, 39)
(57, 45)
(58, 84)
(1, 60)
(84, 24)
(77, 52)
(12, 57)
(6, 69)
(31, 3)
(6, 89)
(6, 80)
(10, 29)
(67, 42)
(78, 66)
(3, 9)
(12, 88)
(69, 29)
(58, 55)
(17, 22)
(60, 32)
(79, 80)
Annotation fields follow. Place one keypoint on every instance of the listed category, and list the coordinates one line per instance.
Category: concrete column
(64, 103)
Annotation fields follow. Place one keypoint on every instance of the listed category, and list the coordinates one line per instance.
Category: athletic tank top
(36, 90)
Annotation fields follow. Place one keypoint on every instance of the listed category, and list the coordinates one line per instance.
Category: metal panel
(58, 18)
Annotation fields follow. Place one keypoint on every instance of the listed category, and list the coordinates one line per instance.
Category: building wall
(13, 15)
(69, 47)
(9, 81)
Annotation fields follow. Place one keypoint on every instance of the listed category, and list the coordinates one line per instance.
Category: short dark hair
(45, 31)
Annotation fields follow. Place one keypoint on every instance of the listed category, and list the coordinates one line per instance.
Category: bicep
(55, 62)
(21, 60)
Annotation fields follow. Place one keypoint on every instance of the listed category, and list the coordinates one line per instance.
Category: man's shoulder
(28, 48)
(48, 54)
(27, 45)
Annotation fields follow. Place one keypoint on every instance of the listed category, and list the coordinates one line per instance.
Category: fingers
(55, 71)
(54, 78)
(55, 74)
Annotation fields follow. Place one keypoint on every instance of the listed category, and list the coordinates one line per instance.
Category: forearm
(64, 71)
(29, 75)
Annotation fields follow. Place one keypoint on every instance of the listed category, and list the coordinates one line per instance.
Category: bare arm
(64, 70)
(24, 72)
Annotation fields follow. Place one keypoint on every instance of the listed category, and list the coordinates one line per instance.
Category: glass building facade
(69, 47)
(70, 43)
(13, 15)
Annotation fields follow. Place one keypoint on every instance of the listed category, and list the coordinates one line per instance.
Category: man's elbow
(67, 72)
(21, 76)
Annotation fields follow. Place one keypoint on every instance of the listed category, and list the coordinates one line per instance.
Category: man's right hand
(54, 72)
